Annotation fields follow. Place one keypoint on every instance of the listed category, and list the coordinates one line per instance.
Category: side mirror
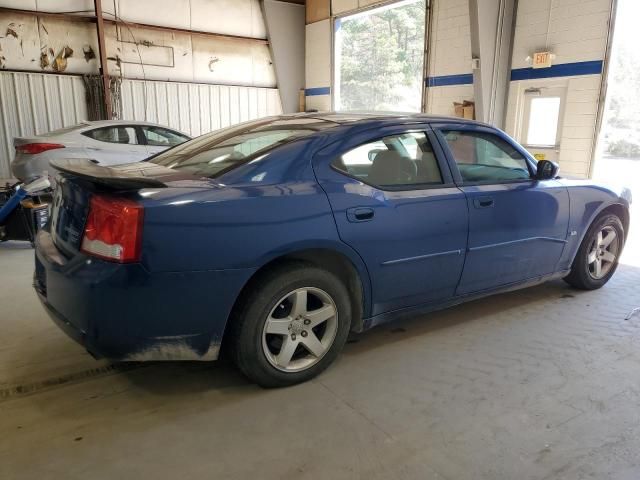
(547, 170)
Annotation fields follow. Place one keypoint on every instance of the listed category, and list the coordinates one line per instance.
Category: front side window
(405, 160)
(161, 137)
(124, 135)
(485, 158)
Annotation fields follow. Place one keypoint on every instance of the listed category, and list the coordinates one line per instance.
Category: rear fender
(332, 246)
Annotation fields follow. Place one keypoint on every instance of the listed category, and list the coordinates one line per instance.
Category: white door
(541, 125)
(114, 145)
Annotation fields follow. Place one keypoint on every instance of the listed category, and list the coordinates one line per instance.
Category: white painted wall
(318, 68)
(450, 54)
(576, 31)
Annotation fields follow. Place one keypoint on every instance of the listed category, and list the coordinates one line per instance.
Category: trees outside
(622, 114)
(381, 55)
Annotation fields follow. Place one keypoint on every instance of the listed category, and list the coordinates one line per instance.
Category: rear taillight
(33, 148)
(113, 230)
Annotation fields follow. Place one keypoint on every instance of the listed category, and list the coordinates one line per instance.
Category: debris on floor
(632, 313)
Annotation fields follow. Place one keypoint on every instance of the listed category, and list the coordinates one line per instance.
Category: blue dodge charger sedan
(275, 238)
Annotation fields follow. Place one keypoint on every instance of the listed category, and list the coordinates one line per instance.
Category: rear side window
(404, 161)
(218, 152)
(124, 135)
(485, 158)
(161, 137)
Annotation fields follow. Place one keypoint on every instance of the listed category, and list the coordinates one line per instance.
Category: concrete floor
(540, 383)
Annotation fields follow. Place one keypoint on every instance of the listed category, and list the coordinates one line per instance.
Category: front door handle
(360, 214)
(483, 202)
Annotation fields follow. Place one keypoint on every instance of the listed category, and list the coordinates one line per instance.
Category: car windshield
(218, 152)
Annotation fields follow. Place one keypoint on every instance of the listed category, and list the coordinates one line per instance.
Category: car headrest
(123, 135)
(391, 168)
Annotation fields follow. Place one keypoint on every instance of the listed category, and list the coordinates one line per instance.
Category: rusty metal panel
(35, 103)
(196, 108)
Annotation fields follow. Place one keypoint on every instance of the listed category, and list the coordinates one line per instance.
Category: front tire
(291, 325)
(598, 255)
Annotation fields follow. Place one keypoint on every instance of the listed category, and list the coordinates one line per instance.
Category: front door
(395, 203)
(517, 225)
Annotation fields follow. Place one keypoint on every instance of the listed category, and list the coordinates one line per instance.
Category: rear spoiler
(122, 177)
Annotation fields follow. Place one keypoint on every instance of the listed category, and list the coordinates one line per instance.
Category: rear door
(518, 226)
(395, 203)
(114, 145)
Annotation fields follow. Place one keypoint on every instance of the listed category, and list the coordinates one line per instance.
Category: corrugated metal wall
(33, 103)
(196, 108)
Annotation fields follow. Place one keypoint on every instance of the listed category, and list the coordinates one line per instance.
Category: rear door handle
(360, 214)
(483, 202)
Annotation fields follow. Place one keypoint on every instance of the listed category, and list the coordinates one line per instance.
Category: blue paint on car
(206, 235)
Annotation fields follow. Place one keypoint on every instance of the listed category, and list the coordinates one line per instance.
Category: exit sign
(542, 59)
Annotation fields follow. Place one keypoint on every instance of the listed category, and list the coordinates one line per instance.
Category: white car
(107, 142)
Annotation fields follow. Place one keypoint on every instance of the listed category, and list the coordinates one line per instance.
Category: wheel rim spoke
(599, 239)
(593, 255)
(286, 352)
(313, 345)
(320, 315)
(277, 326)
(597, 268)
(611, 236)
(299, 299)
(608, 257)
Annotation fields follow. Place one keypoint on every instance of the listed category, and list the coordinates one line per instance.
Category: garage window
(379, 57)
(543, 121)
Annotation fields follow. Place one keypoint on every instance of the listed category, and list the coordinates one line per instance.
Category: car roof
(388, 117)
(107, 123)
(348, 123)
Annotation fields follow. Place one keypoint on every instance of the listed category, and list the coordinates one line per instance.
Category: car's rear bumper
(124, 312)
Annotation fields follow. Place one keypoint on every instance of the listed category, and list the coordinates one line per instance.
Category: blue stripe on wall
(561, 70)
(444, 80)
(312, 92)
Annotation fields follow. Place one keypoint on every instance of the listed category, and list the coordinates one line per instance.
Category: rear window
(62, 131)
(216, 153)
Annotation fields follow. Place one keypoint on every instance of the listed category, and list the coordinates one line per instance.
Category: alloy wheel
(300, 329)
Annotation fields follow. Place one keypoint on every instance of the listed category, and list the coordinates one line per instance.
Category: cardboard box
(466, 109)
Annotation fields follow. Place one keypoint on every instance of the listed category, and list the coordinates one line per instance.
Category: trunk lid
(79, 179)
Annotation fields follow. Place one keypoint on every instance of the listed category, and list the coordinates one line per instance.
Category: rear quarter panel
(267, 209)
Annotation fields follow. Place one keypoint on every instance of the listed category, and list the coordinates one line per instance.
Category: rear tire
(598, 255)
(291, 325)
